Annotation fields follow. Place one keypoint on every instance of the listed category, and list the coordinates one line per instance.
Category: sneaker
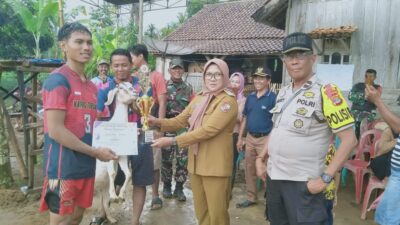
(167, 193)
(179, 195)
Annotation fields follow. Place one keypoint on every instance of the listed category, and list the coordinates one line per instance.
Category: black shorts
(142, 164)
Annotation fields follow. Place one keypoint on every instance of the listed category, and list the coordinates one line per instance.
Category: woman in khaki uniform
(211, 117)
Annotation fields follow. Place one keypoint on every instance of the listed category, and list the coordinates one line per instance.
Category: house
(226, 31)
(359, 33)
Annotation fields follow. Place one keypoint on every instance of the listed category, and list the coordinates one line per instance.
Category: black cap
(297, 41)
(262, 72)
(176, 62)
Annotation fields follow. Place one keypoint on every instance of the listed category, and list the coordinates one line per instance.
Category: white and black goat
(124, 95)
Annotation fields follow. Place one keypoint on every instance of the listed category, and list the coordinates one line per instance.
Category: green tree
(196, 5)
(102, 17)
(104, 42)
(182, 17)
(38, 19)
(151, 31)
(15, 40)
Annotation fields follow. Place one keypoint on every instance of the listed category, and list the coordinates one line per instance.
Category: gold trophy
(145, 103)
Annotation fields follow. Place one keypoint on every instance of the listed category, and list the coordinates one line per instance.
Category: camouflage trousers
(167, 159)
(359, 116)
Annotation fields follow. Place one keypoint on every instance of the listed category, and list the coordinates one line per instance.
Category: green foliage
(107, 39)
(151, 31)
(196, 5)
(37, 19)
(15, 40)
(104, 42)
(102, 17)
(129, 37)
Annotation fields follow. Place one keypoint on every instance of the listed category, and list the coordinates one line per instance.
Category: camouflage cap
(103, 61)
(176, 62)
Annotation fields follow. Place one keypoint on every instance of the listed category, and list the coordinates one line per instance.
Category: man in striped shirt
(388, 211)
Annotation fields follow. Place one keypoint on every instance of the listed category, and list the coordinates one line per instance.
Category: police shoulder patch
(332, 92)
(335, 108)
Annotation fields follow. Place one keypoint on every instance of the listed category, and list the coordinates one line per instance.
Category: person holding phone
(362, 108)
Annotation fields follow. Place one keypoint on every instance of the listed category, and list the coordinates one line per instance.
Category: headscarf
(239, 95)
(198, 113)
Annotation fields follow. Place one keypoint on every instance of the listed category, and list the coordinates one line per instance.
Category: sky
(160, 18)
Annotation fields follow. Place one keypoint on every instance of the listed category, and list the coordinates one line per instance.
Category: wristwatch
(326, 178)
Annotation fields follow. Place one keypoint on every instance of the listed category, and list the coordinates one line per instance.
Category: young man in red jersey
(69, 101)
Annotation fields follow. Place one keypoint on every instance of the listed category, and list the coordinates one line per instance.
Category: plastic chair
(358, 166)
(373, 183)
(364, 126)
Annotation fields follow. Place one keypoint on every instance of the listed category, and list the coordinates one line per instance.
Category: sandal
(156, 203)
(245, 204)
(98, 221)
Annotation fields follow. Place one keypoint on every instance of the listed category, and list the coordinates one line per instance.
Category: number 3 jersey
(64, 90)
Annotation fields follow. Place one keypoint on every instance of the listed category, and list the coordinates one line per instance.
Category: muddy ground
(18, 209)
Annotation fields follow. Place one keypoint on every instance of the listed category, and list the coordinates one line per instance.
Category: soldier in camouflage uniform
(179, 94)
(362, 108)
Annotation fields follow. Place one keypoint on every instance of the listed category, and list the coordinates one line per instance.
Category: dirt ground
(18, 209)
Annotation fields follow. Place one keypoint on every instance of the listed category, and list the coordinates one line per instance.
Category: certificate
(122, 138)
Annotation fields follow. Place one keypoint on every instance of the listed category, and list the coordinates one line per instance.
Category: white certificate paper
(120, 137)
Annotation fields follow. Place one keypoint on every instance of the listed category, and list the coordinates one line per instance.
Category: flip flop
(245, 204)
(156, 203)
(98, 221)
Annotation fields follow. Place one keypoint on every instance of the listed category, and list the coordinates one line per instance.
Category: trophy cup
(145, 103)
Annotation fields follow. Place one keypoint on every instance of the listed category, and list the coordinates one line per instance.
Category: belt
(258, 135)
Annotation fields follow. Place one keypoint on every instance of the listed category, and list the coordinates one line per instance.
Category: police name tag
(148, 136)
(119, 137)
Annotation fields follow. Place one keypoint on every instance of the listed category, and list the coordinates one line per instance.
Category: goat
(124, 95)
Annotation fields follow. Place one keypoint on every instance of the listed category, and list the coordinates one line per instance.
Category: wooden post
(24, 110)
(12, 141)
(140, 38)
(33, 131)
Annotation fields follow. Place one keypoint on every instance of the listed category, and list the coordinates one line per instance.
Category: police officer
(305, 115)
(179, 94)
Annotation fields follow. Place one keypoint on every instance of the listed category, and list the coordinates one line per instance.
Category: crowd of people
(286, 138)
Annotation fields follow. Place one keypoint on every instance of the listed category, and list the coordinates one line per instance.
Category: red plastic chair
(358, 166)
(373, 183)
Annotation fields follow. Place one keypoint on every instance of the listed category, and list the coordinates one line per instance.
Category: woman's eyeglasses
(216, 76)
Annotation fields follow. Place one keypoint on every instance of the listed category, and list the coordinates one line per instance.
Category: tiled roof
(333, 32)
(228, 29)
